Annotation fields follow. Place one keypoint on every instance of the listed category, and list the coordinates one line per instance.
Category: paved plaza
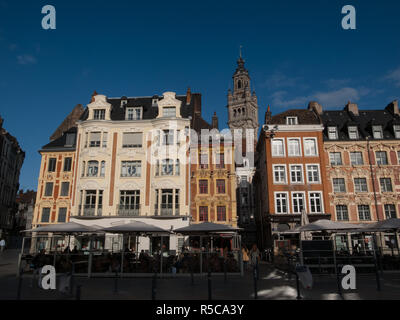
(272, 284)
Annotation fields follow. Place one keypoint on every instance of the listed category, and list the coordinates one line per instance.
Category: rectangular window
(177, 167)
(104, 139)
(377, 132)
(133, 113)
(296, 174)
(315, 202)
(46, 215)
(220, 186)
(166, 202)
(99, 114)
(131, 168)
(386, 185)
(168, 137)
(278, 149)
(281, 205)
(332, 133)
(342, 213)
(48, 192)
(220, 161)
(52, 164)
(203, 213)
(70, 139)
(294, 147)
(103, 169)
(64, 189)
(95, 138)
(298, 202)
(360, 185)
(310, 147)
(132, 140)
(363, 213)
(291, 120)
(356, 158)
(339, 185)
(176, 201)
(169, 112)
(203, 186)
(167, 167)
(129, 202)
(312, 173)
(221, 213)
(390, 211)
(396, 129)
(335, 158)
(381, 158)
(62, 215)
(353, 133)
(67, 164)
(279, 174)
(203, 160)
(93, 168)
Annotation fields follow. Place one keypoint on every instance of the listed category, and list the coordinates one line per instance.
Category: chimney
(215, 121)
(93, 94)
(352, 107)
(393, 107)
(188, 96)
(314, 105)
(197, 102)
(267, 115)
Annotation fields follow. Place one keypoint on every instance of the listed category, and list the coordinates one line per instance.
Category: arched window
(93, 168)
(103, 169)
(239, 84)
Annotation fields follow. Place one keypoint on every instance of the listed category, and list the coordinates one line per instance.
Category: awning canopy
(324, 225)
(389, 224)
(206, 228)
(65, 228)
(135, 227)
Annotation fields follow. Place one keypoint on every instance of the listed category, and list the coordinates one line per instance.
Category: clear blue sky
(295, 51)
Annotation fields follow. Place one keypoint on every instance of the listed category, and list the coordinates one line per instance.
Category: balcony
(166, 210)
(90, 210)
(128, 210)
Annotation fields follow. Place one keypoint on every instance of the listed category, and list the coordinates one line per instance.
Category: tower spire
(240, 51)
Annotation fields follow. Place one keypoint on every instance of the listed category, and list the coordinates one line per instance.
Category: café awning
(135, 227)
(65, 228)
(206, 228)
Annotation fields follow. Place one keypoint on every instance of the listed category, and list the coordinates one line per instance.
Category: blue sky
(296, 51)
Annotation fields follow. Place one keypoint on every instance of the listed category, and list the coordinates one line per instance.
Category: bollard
(255, 282)
(298, 287)
(116, 282)
(78, 292)
(21, 272)
(153, 287)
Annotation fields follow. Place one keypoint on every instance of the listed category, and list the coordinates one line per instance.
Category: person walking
(2, 245)
(245, 255)
(255, 258)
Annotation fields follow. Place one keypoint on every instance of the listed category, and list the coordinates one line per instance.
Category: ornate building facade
(11, 160)
(243, 123)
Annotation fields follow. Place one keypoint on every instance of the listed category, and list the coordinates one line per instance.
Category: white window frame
(166, 115)
(288, 148)
(335, 164)
(319, 173)
(332, 130)
(396, 130)
(133, 110)
(289, 120)
(333, 185)
(273, 173)
(366, 183)
(283, 146)
(316, 147)
(377, 129)
(302, 173)
(382, 187)
(321, 199)
(304, 201)
(287, 202)
(362, 158)
(350, 128)
(336, 211)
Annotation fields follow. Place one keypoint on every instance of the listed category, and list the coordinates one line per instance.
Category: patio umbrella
(304, 222)
(327, 225)
(205, 227)
(69, 227)
(135, 227)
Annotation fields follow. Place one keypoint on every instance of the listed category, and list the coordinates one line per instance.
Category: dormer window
(291, 120)
(99, 114)
(396, 129)
(133, 113)
(123, 102)
(353, 133)
(332, 133)
(169, 112)
(70, 139)
(154, 102)
(377, 132)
